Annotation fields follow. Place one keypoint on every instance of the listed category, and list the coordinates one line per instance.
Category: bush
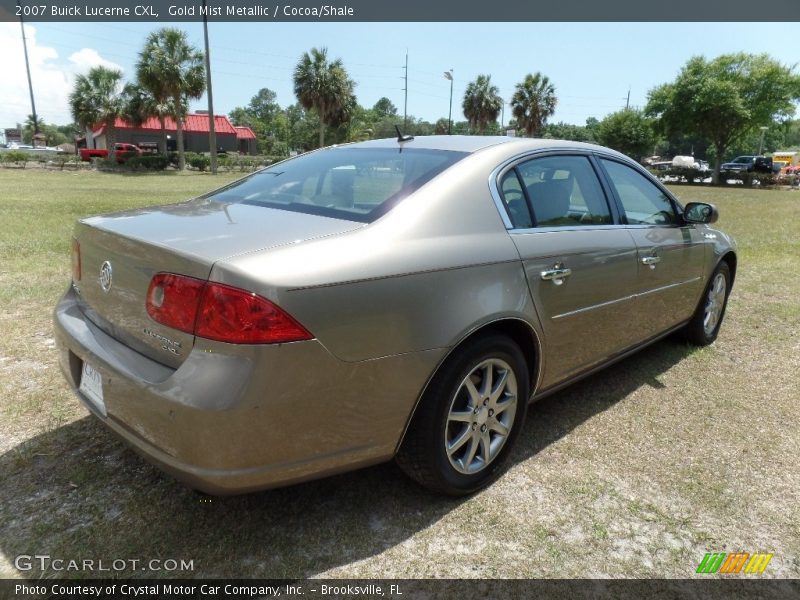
(198, 161)
(126, 155)
(105, 164)
(61, 160)
(17, 157)
(148, 162)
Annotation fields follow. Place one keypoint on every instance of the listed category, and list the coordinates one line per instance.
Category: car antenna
(401, 137)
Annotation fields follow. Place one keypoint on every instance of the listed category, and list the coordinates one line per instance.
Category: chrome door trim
(624, 299)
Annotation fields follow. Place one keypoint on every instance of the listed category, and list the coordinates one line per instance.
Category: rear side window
(644, 203)
(357, 184)
(514, 199)
(564, 191)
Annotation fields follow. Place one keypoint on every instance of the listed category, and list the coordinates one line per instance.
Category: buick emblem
(105, 276)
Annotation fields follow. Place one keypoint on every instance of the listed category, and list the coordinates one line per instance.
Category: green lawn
(635, 472)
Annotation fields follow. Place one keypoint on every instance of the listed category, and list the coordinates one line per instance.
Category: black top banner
(158, 11)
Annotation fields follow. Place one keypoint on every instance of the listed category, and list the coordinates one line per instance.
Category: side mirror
(700, 212)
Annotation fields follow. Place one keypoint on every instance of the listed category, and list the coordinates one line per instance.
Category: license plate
(92, 387)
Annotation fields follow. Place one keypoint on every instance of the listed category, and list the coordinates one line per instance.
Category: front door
(670, 253)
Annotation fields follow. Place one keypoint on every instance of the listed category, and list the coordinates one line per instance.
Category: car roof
(473, 143)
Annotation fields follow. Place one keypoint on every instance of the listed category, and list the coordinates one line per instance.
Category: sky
(592, 65)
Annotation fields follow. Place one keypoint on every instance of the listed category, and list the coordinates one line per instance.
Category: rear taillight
(76, 260)
(220, 312)
(172, 300)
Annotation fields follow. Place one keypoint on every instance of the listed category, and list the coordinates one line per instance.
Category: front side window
(643, 202)
(357, 184)
(564, 191)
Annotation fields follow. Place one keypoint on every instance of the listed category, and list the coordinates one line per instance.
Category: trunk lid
(186, 239)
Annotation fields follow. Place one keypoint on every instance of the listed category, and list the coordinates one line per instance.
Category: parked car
(750, 164)
(123, 152)
(391, 298)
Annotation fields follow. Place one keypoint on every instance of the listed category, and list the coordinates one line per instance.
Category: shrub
(148, 162)
(198, 161)
(61, 160)
(105, 164)
(17, 157)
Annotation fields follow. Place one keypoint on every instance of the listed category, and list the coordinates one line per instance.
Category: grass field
(634, 472)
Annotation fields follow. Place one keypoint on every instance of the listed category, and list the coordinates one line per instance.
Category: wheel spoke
(485, 448)
(505, 404)
(460, 441)
(486, 388)
(498, 427)
(461, 416)
(471, 451)
(498, 388)
(474, 394)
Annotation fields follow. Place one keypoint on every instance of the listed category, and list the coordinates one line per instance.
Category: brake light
(172, 300)
(228, 314)
(220, 312)
(76, 260)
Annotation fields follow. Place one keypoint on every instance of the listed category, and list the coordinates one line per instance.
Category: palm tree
(172, 70)
(482, 103)
(324, 87)
(533, 102)
(97, 99)
(141, 104)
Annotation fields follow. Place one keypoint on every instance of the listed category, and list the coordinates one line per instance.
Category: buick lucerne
(400, 298)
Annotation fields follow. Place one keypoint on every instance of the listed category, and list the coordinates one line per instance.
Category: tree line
(712, 109)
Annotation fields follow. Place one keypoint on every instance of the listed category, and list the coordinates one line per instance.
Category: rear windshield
(357, 184)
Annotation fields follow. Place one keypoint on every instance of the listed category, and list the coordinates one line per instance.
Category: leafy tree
(791, 135)
(265, 117)
(53, 134)
(97, 99)
(628, 131)
(384, 108)
(441, 126)
(325, 88)
(725, 99)
(533, 102)
(171, 68)
(263, 106)
(482, 103)
(567, 131)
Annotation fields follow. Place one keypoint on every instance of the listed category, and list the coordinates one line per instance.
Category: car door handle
(556, 274)
(651, 261)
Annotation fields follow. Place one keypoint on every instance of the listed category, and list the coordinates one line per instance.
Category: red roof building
(195, 134)
(246, 139)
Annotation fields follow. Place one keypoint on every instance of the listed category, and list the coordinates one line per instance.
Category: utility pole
(628, 99)
(763, 129)
(449, 75)
(405, 102)
(28, 69)
(212, 130)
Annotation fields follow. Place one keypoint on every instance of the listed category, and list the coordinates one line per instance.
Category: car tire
(463, 429)
(702, 330)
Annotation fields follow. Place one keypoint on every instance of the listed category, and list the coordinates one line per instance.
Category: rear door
(670, 253)
(581, 268)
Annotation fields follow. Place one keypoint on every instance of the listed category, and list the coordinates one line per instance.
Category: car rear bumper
(232, 418)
